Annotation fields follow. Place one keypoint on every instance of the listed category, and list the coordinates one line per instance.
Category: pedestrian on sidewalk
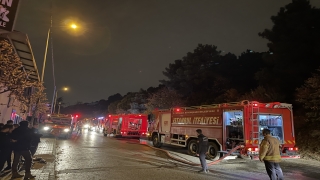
(36, 139)
(23, 136)
(5, 145)
(270, 154)
(9, 122)
(202, 151)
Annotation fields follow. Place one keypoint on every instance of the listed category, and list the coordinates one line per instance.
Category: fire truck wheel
(192, 147)
(156, 142)
(213, 151)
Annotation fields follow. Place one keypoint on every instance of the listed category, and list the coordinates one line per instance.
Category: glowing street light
(55, 99)
(74, 26)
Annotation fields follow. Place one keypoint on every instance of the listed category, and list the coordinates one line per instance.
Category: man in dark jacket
(5, 144)
(202, 150)
(36, 139)
(23, 136)
(9, 122)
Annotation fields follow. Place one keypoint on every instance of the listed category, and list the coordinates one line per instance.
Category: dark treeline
(287, 72)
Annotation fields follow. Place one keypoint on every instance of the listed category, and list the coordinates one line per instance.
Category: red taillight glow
(139, 114)
(296, 149)
(249, 149)
(290, 149)
(178, 110)
(255, 104)
(256, 149)
(109, 115)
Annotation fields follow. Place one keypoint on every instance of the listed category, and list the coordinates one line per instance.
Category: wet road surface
(91, 156)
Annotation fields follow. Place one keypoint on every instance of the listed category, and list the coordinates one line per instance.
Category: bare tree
(164, 98)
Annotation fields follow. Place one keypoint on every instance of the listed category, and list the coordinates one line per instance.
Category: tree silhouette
(294, 43)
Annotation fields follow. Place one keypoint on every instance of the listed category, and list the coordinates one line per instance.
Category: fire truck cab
(127, 125)
(226, 125)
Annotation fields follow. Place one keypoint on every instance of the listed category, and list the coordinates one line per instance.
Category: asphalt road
(91, 156)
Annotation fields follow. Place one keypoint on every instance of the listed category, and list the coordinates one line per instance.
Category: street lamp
(73, 26)
(55, 99)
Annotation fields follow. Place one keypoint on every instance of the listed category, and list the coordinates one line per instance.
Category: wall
(6, 112)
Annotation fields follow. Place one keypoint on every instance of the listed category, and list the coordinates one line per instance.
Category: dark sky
(124, 45)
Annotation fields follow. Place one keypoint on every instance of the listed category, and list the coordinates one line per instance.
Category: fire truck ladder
(255, 140)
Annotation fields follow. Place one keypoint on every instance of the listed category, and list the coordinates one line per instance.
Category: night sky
(124, 45)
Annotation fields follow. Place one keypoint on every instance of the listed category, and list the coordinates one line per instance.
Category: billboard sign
(8, 12)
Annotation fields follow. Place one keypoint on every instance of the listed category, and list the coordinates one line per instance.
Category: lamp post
(73, 26)
(55, 99)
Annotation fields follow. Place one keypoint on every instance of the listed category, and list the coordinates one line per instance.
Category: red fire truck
(226, 125)
(127, 125)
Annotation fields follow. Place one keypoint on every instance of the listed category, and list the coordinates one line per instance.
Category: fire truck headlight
(66, 130)
(86, 126)
(46, 128)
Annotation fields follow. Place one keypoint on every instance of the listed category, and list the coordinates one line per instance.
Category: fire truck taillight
(139, 114)
(253, 149)
(109, 115)
(178, 110)
(296, 149)
(255, 104)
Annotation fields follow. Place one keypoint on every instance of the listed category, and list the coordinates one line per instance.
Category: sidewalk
(46, 150)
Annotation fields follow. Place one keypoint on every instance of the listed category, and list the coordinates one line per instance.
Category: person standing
(202, 150)
(270, 154)
(9, 122)
(35, 140)
(5, 144)
(23, 136)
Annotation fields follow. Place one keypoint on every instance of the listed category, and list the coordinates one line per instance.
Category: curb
(54, 153)
(49, 168)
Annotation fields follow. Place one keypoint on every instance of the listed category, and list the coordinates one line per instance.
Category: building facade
(10, 107)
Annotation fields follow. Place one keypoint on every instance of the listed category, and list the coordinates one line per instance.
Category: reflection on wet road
(92, 156)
